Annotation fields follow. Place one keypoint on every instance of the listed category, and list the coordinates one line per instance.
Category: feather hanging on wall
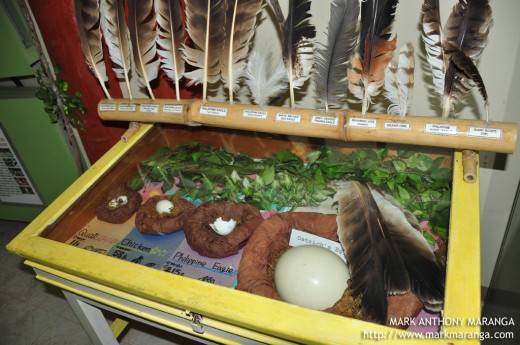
(240, 28)
(454, 51)
(143, 34)
(264, 83)
(297, 47)
(87, 21)
(376, 45)
(399, 81)
(332, 60)
(170, 39)
(205, 21)
(386, 254)
(117, 39)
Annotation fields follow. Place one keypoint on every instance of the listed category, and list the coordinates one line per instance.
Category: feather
(425, 273)
(376, 268)
(263, 83)
(87, 21)
(466, 30)
(117, 39)
(332, 59)
(367, 73)
(205, 24)
(240, 28)
(143, 34)
(433, 37)
(297, 47)
(399, 81)
(170, 39)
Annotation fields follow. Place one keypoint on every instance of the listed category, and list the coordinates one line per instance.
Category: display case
(223, 314)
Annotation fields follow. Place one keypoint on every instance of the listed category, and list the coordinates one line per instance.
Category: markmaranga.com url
(437, 335)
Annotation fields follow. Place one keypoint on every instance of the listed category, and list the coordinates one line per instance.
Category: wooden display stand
(94, 281)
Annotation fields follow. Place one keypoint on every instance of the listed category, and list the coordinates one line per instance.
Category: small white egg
(223, 227)
(311, 276)
(164, 206)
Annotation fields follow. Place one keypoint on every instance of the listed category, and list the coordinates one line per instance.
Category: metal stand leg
(92, 320)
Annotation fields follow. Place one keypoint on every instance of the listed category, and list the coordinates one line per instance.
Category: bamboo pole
(345, 125)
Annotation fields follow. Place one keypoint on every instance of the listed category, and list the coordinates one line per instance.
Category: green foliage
(54, 93)
(205, 173)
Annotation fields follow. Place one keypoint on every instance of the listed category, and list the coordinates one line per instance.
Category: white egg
(223, 227)
(164, 206)
(311, 276)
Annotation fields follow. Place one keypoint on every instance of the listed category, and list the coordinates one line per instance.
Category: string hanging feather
(263, 83)
(376, 268)
(240, 28)
(143, 34)
(376, 45)
(117, 39)
(87, 21)
(170, 37)
(332, 60)
(205, 21)
(297, 47)
(399, 81)
(465, 33)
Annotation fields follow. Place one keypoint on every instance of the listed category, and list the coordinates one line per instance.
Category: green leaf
(268, 174)
(404, 195)
(399, 165)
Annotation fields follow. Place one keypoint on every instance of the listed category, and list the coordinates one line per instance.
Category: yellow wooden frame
(242, 313)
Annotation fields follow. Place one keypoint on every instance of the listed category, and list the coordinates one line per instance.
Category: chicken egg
(164, 206)
(311, 276)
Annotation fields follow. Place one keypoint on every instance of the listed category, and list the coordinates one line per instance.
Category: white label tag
(149, 108)
(126, 107)
(301, 238)
(362, 122)
(397, 125)
(255, 114)
(172, 108)
(485, 132)
(294, 118)
(440, 128)
(213, 111)
(107, 107)
(324, 120)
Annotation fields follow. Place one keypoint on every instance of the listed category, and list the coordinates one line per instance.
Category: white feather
(264, 84)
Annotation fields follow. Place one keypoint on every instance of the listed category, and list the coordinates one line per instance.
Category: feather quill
(399, 81)
(170, 39)
(465, 33)
(332, 60)
(240, 28)
(297, 46)
(264, 83)
(143, 35)
(376, 45)
(376, 268)
(117, 39)
(87, 20)
(205, 21)
(426, 276)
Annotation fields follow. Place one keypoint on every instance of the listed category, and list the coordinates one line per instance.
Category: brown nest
(149, 221)
(119, 204)
(205, 241)
(271, 239)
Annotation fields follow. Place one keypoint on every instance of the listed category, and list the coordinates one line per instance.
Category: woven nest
(119, 204)
(150, 222)
(272, 238)
(205, 241)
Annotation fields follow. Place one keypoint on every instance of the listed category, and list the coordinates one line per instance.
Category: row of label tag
(355, 122)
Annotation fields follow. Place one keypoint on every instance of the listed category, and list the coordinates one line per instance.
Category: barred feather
(399, 81)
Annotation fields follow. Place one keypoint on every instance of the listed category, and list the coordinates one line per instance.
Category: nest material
(205, 241)
(150, 222)
(271, 239)
(112, 211)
